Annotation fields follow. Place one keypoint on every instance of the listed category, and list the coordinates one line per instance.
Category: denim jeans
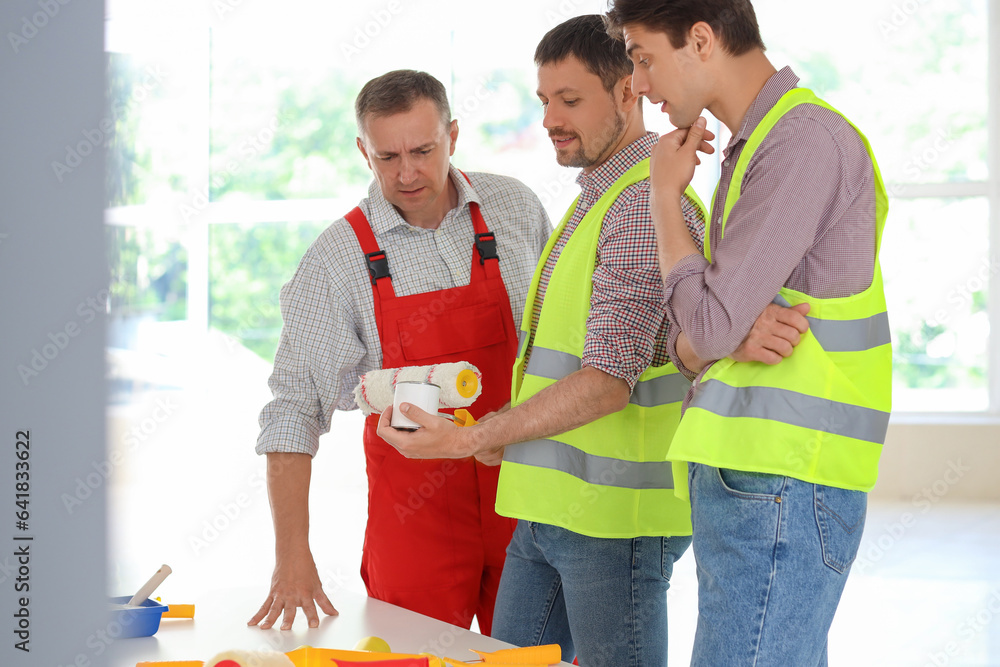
(603, 600)
(773, 554)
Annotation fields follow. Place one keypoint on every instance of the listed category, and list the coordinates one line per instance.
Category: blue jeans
(603, 600)
(773, 554)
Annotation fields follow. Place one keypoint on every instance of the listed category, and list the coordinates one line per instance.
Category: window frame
(989, 189)
(196, 235)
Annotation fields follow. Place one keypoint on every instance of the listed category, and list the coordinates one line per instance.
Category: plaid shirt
(329, 338)
(627, 325)
(805, 220)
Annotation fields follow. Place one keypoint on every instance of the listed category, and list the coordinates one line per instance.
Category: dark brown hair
(396, 92)
(733, 21)
(586, 38)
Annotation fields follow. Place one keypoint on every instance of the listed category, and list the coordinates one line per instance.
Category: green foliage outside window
(283, 135)
(279, 133)
(275, 135)
(248, 264)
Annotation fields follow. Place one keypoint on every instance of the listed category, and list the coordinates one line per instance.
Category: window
(913, 76)
(234, 147)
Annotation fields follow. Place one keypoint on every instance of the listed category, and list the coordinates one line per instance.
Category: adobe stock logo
(103, 470)
(249, 148)
(901, 14)
(364, 34)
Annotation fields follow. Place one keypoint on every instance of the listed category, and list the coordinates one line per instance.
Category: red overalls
(434, 543)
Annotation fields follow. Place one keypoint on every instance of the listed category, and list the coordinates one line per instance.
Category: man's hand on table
(295, 583)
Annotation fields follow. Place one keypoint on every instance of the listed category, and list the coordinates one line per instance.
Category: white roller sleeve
(250, 659)
(374, 392)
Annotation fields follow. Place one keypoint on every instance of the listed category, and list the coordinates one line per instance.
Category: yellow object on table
(307, 656)
(178, 610)
(547, 654)
(529, 656)
(373, 644)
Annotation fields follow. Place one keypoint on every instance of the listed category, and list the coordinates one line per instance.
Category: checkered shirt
(627, 325)
(329, 338)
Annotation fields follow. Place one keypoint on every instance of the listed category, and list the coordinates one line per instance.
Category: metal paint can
(424, 395)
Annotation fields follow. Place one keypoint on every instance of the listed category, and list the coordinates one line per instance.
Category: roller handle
(150, 586)
(461, 417)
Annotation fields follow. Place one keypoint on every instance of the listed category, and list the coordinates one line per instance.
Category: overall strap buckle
(486, 244)
(378, 265)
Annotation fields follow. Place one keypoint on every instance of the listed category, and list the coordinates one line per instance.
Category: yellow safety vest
(609, 478)
(820, 415)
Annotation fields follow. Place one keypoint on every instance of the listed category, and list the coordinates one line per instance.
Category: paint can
(424, 395)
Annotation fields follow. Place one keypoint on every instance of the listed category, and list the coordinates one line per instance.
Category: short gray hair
(397, 92)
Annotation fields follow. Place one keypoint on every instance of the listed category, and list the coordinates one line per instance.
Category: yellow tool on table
(178, 610)
(529, 656)
(307, 656)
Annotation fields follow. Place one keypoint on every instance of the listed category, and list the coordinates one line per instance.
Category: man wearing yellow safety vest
(780, 456)
(594, 397)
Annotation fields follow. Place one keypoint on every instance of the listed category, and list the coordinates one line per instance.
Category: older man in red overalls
(430, 268)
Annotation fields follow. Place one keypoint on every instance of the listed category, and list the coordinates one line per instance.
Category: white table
(220, 624)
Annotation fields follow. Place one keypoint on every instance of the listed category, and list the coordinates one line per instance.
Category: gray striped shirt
(329, 338)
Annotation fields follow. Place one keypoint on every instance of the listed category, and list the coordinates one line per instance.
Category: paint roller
(459, 382)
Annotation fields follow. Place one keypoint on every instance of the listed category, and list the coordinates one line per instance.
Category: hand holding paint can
(424, 395)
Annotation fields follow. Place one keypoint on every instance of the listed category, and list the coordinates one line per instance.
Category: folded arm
(769, 230)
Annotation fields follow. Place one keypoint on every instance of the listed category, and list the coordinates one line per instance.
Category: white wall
(925, 460)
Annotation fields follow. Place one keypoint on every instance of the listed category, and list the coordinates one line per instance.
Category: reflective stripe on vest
(792, 407)
(663, 390)
(522, 342)
(821, 415)
(552, 364)
(847, 335)
(592, 468)
(608, 478)
(555, 365)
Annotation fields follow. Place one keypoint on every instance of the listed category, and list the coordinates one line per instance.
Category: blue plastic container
(141, 621)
